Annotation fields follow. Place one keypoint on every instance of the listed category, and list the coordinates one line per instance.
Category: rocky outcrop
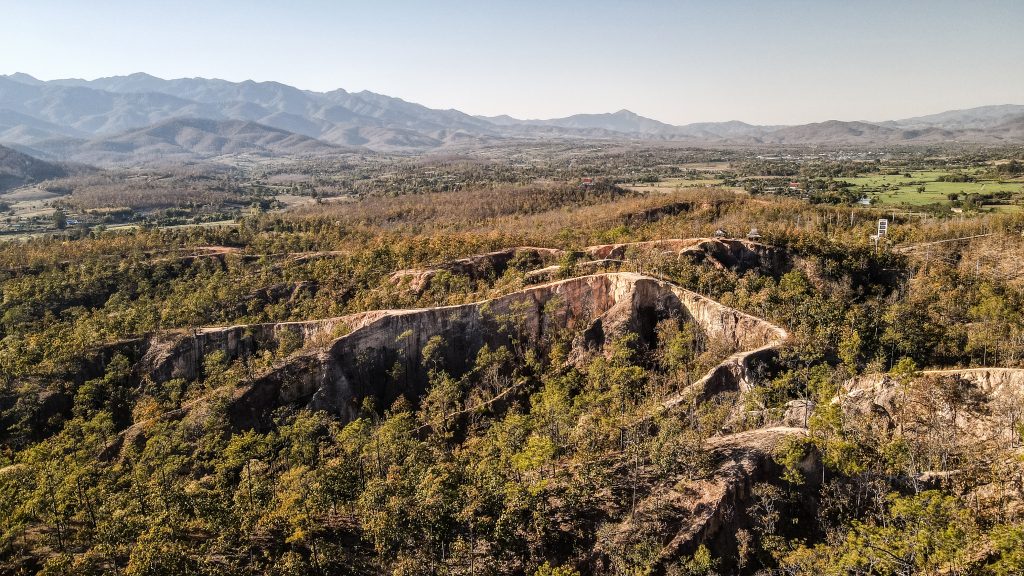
(481, 266)
(740, 460)
(732, 254)
(379, 354)
(620, 251)
(994, 382)
(180, 353)
(348, 358)
(738, 256)
(709, 508)
(982, 404)
(756, 339)
(362, 362)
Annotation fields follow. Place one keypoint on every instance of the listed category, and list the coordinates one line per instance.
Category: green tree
(60, 219)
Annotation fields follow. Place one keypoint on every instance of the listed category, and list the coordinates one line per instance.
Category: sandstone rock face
(882, 389)
(620, 251)
(361, 362)
(732, 254)
(756, 339)
(708, 509)
(984, 403)
(742, 460)
(346, 359)
(481, 266)
(180, 353)
(995, 382)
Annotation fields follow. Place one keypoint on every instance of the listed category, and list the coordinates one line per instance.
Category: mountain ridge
(36, 113)
(184, 140)
(18, 169)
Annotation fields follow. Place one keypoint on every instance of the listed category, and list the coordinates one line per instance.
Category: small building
(754, 235)
(721, 233)
(587, 182)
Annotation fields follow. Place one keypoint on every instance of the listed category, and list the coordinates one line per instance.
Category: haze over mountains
(139, 118)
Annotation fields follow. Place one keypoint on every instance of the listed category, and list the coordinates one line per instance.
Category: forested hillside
(285, 397)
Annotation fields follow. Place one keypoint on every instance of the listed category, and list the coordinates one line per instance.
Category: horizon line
(489, 117)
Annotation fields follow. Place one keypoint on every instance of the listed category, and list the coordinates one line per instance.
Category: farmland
(673, 184)
(922, 187)
(952, 181)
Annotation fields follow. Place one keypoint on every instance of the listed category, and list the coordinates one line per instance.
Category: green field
(1004, 208)
(898, 189)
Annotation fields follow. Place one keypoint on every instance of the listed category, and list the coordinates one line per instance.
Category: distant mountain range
(181, 140)
(140, 119)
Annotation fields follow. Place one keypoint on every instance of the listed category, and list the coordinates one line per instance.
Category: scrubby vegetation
(537, 457)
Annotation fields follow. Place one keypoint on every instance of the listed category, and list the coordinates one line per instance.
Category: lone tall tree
(60, 219)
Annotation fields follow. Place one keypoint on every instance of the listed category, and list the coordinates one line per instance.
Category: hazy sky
(685, 61)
